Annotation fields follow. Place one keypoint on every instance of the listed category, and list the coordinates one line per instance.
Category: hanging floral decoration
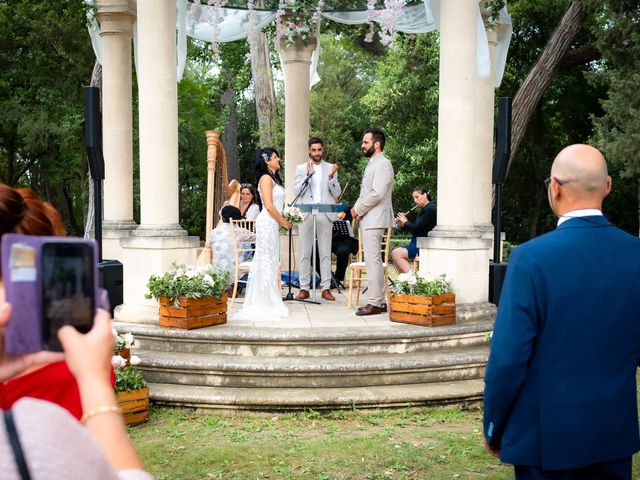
(387, 18)
(388, 21)
(252, 30)
(302, 19)
(217, 9)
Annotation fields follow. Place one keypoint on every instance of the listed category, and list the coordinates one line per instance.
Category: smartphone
(67, 289)
(49, 282)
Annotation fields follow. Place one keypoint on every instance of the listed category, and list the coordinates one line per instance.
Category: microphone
(306, 180)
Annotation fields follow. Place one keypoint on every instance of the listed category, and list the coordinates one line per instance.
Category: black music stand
(314, 209)
(289, 296)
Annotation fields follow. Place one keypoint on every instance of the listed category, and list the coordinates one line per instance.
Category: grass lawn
(412, 443)
(420, 443)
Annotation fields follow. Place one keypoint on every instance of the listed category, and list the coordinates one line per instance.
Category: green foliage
(337, 112)
(403, 101)
(617, 129)
(414, 284)
(190, 282)
(128, 378)
(45, 60)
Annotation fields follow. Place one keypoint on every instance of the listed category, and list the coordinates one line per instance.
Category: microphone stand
(289, 296)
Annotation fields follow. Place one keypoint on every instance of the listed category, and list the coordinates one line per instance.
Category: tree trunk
(96, 81)
(543, 72)
(263, 88)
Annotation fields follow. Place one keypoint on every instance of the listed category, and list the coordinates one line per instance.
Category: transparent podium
(314, 209)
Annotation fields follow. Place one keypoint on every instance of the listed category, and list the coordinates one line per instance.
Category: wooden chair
(243, 233)
(357, 269)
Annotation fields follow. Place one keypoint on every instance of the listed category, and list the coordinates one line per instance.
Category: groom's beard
(369, 153)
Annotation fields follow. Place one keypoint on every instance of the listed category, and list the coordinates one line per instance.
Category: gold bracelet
(99, 411)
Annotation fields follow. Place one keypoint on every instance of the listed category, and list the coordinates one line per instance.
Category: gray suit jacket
(374, 203)
(330, 188)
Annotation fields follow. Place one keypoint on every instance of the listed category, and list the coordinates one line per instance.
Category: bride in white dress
(263, 299)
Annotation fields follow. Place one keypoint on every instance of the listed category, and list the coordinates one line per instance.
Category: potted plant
(131, 389)
(419, 301)
(123, 344)
(191, 297)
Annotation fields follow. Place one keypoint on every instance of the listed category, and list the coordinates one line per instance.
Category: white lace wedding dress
(263, 299)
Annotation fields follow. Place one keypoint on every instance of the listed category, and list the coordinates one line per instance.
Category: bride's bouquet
(293, 215)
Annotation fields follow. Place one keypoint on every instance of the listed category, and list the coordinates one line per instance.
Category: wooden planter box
(193, 312)
(134, 406)
(426, 311)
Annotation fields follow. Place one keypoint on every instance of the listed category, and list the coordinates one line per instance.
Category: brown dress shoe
(303, 295)
(383, 308)
(369, 310)
(327, 295)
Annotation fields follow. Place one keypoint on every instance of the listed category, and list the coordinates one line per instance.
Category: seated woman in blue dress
(426, 221)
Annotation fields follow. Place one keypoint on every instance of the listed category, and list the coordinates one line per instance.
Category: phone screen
(67, 289)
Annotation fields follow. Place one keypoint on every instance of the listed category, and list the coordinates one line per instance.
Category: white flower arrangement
(293, 215)
(122, 341)
(127, 376)
(189, 281)
(413, 283)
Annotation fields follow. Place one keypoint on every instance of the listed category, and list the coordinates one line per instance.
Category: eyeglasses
(547, 181)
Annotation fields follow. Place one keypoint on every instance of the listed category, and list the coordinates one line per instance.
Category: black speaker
(93, 132)
(497, 271)
(110, 273)
(503, 141)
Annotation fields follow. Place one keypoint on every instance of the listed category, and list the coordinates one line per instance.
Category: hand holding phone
(50, 282)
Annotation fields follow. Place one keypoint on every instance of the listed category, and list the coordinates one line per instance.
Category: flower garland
(304, 17)
(217, 6)
(252, 31)
(388, 21)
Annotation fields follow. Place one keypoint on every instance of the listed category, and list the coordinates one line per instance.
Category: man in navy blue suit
(560, 387)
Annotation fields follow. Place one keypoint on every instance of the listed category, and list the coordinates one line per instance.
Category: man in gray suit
(374, 211)
(322, 178)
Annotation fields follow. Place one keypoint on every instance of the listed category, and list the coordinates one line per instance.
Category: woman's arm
(89, 359)
(266, 187)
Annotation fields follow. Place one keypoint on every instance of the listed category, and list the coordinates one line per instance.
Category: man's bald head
(581, 179)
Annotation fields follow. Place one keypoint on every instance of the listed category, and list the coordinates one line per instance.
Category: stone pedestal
(143, 257)
(461, 254)
(296, 60)
(112, 232)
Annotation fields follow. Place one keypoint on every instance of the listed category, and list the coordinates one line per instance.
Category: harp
(219, 190)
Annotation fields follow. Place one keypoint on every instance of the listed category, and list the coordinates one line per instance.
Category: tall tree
(543, 72)
(45, 60)
(617, 130)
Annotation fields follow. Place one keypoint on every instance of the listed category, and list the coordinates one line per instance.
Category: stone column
(484, 135)
(116, 19)
(159, 240)
(296, 61)
(455, 246)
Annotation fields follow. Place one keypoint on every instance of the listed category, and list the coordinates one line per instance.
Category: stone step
(246, 341)
(447, 364)
(465, 392)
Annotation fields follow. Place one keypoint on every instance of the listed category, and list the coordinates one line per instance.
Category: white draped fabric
(197, 21)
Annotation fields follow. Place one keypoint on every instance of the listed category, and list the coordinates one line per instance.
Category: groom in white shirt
(323, 188)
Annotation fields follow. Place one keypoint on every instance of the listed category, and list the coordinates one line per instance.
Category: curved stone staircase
(259, 368)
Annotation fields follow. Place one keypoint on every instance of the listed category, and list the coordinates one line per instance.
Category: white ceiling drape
(197, 21)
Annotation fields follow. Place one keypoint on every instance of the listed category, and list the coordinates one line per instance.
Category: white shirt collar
(585, 212)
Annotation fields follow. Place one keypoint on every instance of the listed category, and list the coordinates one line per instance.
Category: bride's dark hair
(261, 169)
